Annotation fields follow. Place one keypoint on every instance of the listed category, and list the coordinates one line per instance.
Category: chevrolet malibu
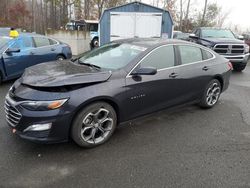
(86, 98)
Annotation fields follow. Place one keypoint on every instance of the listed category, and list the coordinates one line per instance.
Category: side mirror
(193, 36)
(240, 37)
(12, 50)
(144, 71)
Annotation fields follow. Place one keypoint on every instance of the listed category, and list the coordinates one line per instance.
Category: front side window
(190, 54)
(41, 41)
(112, 56)
(16, 44)
(160, 58)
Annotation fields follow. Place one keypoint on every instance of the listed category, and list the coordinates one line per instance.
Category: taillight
(230, 65)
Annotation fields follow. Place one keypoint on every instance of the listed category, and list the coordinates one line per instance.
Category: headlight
(246, 49)
(43, 105)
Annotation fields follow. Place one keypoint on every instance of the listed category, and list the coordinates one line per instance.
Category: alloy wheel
(96, 126)
(213, 94)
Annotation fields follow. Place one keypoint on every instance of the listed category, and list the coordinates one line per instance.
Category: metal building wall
(104, 24)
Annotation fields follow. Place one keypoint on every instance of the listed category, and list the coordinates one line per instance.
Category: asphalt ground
(184, 147)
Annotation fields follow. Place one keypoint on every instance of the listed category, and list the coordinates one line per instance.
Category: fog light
(38, 127)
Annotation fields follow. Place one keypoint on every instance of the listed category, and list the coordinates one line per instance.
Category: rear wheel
(94, 125)
(239, 68)
(60, 57)
(211, 94)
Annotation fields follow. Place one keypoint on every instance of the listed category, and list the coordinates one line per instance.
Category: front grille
(229, 49)
(13, 116)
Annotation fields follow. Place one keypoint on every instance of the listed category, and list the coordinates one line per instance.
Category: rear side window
(41, 41)
(52, 42)
(160, 58)
(207, 55)
(190, 54)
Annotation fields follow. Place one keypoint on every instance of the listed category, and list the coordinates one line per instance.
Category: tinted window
(207, 55)
(27, 42)
(160, 58)
(16, 44)
(52, 42)
(190, 54)
(41, 41)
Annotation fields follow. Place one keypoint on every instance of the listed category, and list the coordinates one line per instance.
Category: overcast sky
(239, 9)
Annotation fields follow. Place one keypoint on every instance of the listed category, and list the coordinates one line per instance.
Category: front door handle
(173, 75)
(32, 53)
(53, 49)
(205, 68)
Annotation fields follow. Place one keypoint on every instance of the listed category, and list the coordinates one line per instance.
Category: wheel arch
(220, 79)
(61, 54)
(107, 100)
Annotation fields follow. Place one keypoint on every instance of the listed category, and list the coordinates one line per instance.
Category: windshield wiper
(88, 64)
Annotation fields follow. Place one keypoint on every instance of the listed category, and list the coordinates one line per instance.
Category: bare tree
(204, 13)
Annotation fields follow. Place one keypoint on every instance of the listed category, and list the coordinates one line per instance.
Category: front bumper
(60, 120)
(237, 58)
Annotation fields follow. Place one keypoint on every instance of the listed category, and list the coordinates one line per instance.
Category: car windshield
(217, 33)
(112, 56)
(4, 41)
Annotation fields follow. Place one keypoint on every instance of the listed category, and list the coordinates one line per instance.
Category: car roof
(150, 42)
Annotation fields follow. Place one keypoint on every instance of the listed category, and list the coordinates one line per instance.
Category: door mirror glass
(12, 50)
(193, 36)
(144, 71)
(240, 37)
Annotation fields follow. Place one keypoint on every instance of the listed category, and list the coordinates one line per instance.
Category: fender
(2, 69)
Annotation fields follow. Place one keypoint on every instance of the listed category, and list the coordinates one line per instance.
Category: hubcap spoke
(101, 115)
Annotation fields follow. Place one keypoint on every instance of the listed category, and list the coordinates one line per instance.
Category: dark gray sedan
(86, 98)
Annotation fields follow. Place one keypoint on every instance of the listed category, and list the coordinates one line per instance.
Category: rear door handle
(32, 53)
(205, 68)
(53, 49)
(173, 75)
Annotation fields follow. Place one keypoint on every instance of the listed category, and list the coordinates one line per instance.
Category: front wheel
(211, 94)
(94, 125)
(239, 68)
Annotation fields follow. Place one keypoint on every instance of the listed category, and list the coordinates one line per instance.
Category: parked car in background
(86, 25)
(28, 50)
(224, 42)
(87, 98)
(180, 35)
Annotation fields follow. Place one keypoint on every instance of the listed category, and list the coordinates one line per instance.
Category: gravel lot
(184, 147)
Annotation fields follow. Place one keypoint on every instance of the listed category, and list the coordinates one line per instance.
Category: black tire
(60, 57)
(209, 99)
(1, 78)
(82, 133)
(95, 43)
(239, 68)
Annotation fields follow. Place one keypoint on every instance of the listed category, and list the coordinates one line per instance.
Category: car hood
(224, 40)
(62, 73)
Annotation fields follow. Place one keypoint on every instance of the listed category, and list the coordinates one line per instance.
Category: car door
(194, 72)
(148, 93)
(16, 62)
(43, 51)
